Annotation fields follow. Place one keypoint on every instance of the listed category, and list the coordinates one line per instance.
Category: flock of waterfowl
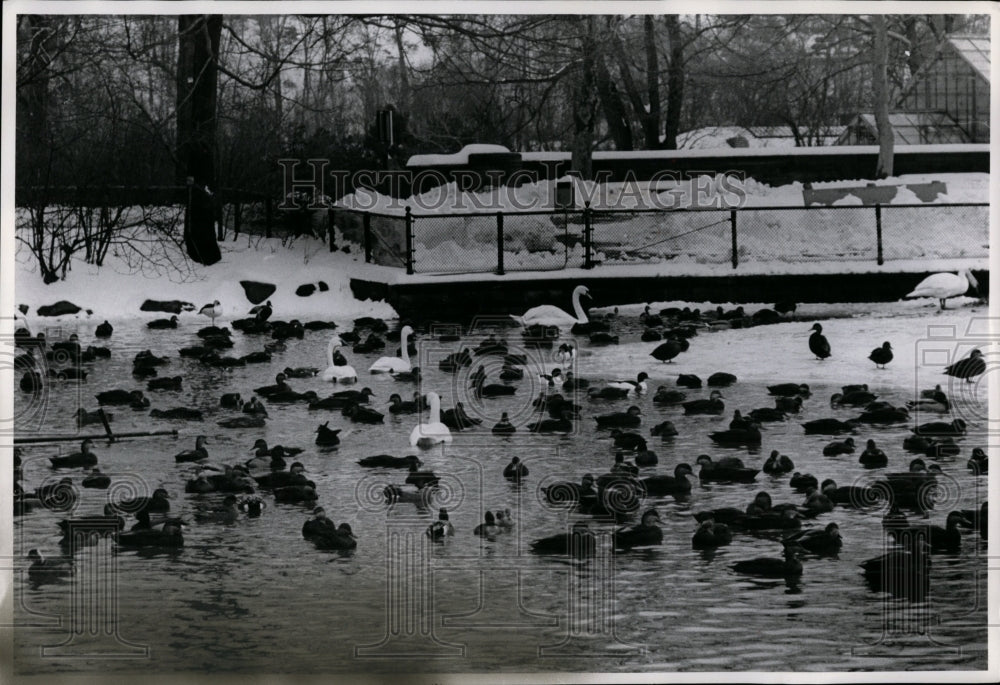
(616, 496)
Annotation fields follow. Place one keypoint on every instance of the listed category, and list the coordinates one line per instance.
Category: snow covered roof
(975, 50)
(753, 136)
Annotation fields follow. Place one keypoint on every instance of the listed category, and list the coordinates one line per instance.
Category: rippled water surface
(255, 596)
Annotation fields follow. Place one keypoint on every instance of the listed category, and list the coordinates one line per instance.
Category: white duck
(342, 374)
(396, 364)
(550, 315)
(945, 285)
(211, 310)
(426, 435)
(636, 387)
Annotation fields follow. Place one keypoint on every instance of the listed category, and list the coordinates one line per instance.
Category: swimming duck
(645, 533)
(173, 383)
(228, 513)
(636, 387)
(118, 397)
(665, 396)
(169, 535)
(944, 285)
(246, 421)
(884, 414)
(968, 368)
(858, 496)
(441, 528)
(511, 373)
(824, 541)
(941, 539)
(43, 569)
(834, 448)
(979, 462)
(340, 539)
(86, 418)
(955, 428)
(257, 357)
(668, 350)
(255, 408)
(803, 481)
(651, 335)
(936, 401)
(413, 376)
(327, 437)
(571, 493)
(300, 372)
(658, 486)
(515, 470)
(607, 393)
(489, 527)
(881, 355)
(198, 453)
(504, 426)
(177, 414)
(769, 567)
(789, 390)
(318, 525)
(433, 432)
(163, 323)
(829, 426)
(361, 414)
(665, 430)
(721, 380)
(816, 503)
(689, 380)
(421, 479)
(628, 441)
(858, 398)
(818, 344)
(713, 405)
(158, 503)
(725, 470)
(627, 419)
(490, 345)
(902, 571)
(749, 436)
(621, 466)
(766, 415)
(873, 457)
(295, 494)
(279, 386)
(560, 425)
(388, 461)
(290, 396)
(650, 320)
(104, 330)
(85, 457)
(778, 463)
(398, 406)
(491, 390)
(711, 534)
(456, 360)
(578, 543)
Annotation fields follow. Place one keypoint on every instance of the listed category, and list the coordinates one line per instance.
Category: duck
(458, 419)
(627, 419)
(721, 379)
(650, 320)
(165, 383)
(395, 364)
(104, 330)
(727, 469)
(667, 351)
(390, 462)
(515, 470)
(945, 285)
(636, 387)
(550, 315)
(197, 454)
(979, 462)
(574, 384)
(689, 380)
(565, 492)
(361, 414)
(48, 568)
(777, 464)
(511, 373)
(734, 437)
(607, 393)
(257, 357)
(940, 428)
(504, 426)
(433, 432)
(661, 485)
(85, 457)
(936, 401)
(836, 447)
(818, 344)
(87, 418)
(340, 539)
(665, 430)
(398, 406)
(580, 542)
(884, 414)
(31, 381)
(881, 355)
(601, 337)
(803, 481)
(711, 534)
(491, 390)
(279, 386)
(824, 541)
(665, 396)
(560, 425)
(858, 398)
(295, 494)
(177, 414)
(157, 503)
(969, 367)
(651, 335)
(770, 567)
(326, 436)
(628, 441)
(337, 373)
(160, 324)
(941, 539)
(857, 496)
(713, 405)
(411, 376)
(211, 310)
(245, 421)
(767, 415)
(255, 408)
(228, 513)
(489, 527)
(829, 426)
(96, 480)
(789, 390)
(118, 397)
(647, 532)
(816, 503)
(900, 571)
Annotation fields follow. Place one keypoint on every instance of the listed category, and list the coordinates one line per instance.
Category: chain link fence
(554, 240)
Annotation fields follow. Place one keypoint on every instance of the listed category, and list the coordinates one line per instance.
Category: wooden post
(107, 426)
(409, 241)
(588, 236)
(237, 219)
(732, 224)
(878, 233)
(500, 271)
(268, 216)
(367, 223)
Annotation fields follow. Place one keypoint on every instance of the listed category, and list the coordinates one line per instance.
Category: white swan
(395, 364)
(343, 374)
(550, 315)
(945, 285)
(426, 435)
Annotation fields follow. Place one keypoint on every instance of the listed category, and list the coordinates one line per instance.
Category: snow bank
(460, 157)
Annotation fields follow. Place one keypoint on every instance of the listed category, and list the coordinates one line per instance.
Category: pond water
(253, 596)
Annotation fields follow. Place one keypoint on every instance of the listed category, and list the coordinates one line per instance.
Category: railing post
(366, 221)
(329, 228)
(500, 271)
(409, 241)
(878, 232)
(237, 219)
(732, 226)
(268, 217)
(588, 254)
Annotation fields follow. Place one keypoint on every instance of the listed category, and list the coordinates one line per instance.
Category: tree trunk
(584, 104)
(199, 37)
(403, 105)
(880, 87)
(614, 109)
(675, 83)
(651, 120)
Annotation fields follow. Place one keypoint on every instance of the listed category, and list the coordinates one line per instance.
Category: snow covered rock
(305, 290)
(256, 291)
(60, 308)
(169, 306)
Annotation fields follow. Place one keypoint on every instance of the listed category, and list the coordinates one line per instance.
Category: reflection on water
(254, 596)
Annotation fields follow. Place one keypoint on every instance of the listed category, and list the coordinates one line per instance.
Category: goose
(395, 364)
(824, 541)
(334, 373)
(198, 453)
(945, 285)
(636, 387)
(211, 310)
(711, 534)
(818, 344)
(881, 355)
(433, 432)
(550, 315)
(579, 542)
(713, 405)
(666, 352)
(973, 365)
(769, 567)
